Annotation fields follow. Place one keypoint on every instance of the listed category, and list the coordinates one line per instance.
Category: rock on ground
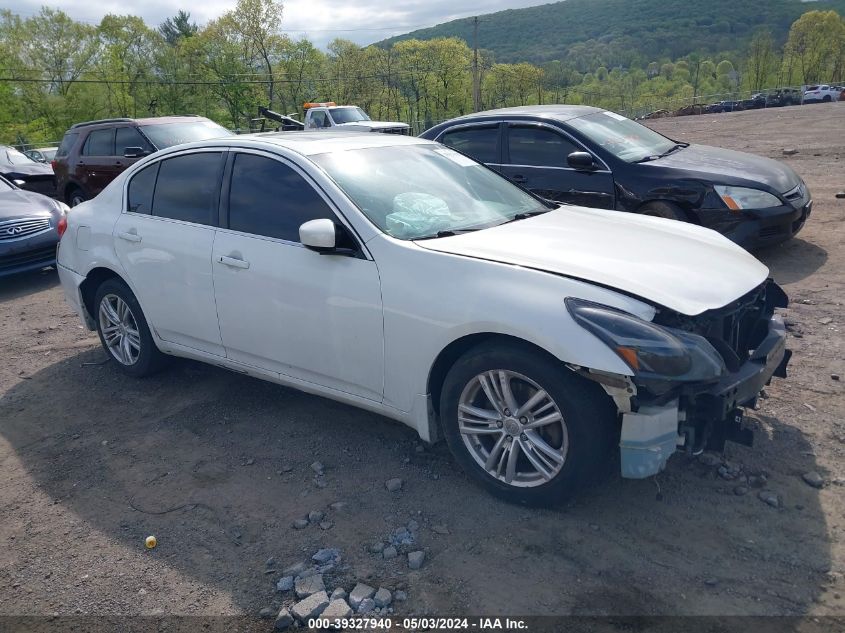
(337, 609)
(400, 596)
(389, 552)
(415, 559)
(285, 583)
(283, 620)
(813, 479)
(326, 555)
(300, 524)
(360, 593)
(367, 605)
(383, 598)
(338, 594)
(310, 585)
(393, 485)
(311, 607)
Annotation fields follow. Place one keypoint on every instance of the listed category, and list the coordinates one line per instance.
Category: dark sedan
(29, 229)
(22, 170)
(595, 158)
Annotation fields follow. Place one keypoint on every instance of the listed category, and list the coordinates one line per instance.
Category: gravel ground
(219, 467)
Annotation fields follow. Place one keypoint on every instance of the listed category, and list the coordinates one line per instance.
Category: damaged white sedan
(400, 276)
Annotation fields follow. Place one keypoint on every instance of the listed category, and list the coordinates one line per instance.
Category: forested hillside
(594, 33)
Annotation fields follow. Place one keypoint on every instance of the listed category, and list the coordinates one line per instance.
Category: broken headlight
(651, 351)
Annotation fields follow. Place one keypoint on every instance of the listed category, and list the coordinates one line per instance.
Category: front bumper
(698, 416)
(758, 229)
(33, 253)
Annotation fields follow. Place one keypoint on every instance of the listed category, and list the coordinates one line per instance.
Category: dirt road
(218, 467)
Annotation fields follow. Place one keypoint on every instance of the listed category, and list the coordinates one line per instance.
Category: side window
(67, 142)
(538, 146)
(100, 143)
(187, 188)
(319, 119)
(482, 143)
(129, 137)
(269, 198)
(141, 188)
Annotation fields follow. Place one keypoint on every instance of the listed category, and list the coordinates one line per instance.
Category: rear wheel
(123, 330)
(523, 426)
(76, 196)
(663, 209)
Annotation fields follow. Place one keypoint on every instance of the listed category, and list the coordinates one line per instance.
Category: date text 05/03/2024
(420, 624)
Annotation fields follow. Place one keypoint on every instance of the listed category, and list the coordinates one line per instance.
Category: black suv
(92, 154)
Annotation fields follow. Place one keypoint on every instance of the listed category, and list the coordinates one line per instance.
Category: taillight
(53, 164)
(61, 227)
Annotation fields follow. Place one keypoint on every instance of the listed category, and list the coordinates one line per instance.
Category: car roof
(309, 143)
(558, 112)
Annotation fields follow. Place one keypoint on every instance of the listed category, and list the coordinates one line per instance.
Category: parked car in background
(94, 153)
(25, 173)
(42, 154)
(821, 94)
(539, 340)
(783, 97)
(755, 102)
(588, 156)
(724, 106)
(29, 229)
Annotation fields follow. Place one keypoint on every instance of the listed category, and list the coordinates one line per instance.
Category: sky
(362, 21)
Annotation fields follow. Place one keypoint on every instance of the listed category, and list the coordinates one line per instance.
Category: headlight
(650, 350)
(737, 198)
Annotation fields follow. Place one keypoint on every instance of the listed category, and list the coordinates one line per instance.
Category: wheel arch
(93, 280)
(457, 348)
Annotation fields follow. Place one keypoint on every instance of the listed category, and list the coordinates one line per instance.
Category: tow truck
(328, 115)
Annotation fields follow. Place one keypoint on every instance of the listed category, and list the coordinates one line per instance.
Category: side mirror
(319, 235)
(581, 160)
(134, 152)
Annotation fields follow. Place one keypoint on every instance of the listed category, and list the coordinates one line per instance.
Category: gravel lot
(218, 467)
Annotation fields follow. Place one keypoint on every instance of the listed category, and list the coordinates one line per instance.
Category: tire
(663, 209)
(76, 196)
(583, 437)
(827, 99)
(135, 353)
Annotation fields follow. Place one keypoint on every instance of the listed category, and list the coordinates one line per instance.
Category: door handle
(234, 262)
(518, 178)
(129, 237)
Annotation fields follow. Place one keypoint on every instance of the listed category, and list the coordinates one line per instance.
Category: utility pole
(476, 89)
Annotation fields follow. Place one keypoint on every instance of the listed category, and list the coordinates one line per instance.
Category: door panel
(96, 165)
(287, 309)
(169, 265)
(282, 307)
(535, 158)
(164, 242)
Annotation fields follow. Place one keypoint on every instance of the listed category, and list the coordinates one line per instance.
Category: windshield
(417, 191)
(625, 139)
(348, 115)
(169, 134)
(17, 158)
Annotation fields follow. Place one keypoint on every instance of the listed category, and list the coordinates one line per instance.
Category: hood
(730, 167)
(374, 125)
(16, 203)
(28, 169)
(673, 264)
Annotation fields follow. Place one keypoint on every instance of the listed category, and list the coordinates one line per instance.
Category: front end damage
(662, 414)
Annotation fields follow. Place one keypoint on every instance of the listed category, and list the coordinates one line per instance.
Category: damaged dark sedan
(30, 227)
(591, 157)
(20, 169)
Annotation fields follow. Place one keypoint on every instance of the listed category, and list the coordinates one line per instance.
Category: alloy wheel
(513, 428)
(120, 330)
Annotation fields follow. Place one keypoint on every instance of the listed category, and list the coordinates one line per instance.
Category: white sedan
(400, 276)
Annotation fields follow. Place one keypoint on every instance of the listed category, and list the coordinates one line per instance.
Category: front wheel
(524, 426)
(664, 209)
(124, 332)
(76, 196)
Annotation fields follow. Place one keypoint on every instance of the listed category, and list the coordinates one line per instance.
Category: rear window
(141, 189)
(67, 143)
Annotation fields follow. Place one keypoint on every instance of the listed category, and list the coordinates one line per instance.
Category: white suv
(823, 93)
(402, 277)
